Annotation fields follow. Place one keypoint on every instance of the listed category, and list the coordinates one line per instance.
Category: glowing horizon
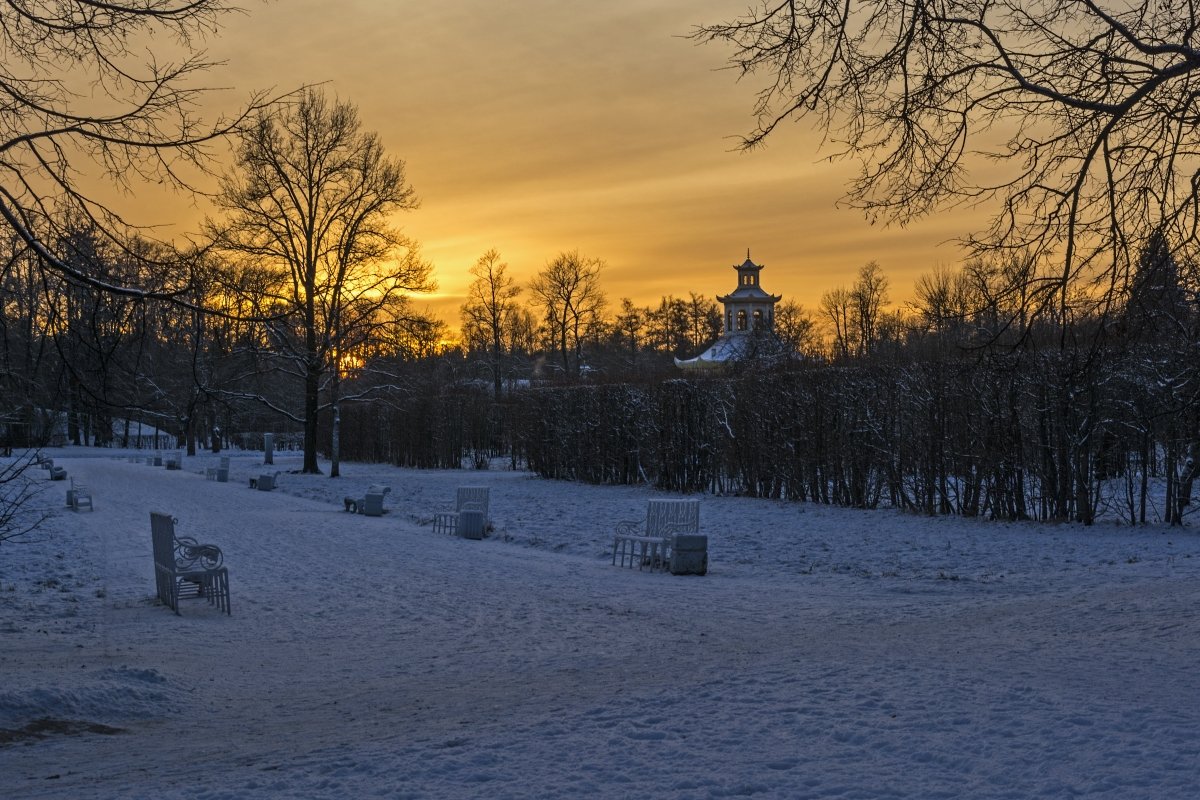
(590, 127)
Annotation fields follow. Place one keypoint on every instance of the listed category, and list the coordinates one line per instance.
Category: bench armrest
(629, 528)
(190, 554)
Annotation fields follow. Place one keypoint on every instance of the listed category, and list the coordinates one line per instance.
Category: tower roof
(747, 264)
(748, 288)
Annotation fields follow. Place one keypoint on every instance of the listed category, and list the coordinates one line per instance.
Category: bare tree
(837, 306)
(869, 295)
(311, 199)
(17, 516)
(704, 321)
(668, 327)
(940, 303)
(569, 293)
(796, 329)
(76, 88)
(855, 315)
(1082, 111)
(628, 329)
(490, 310)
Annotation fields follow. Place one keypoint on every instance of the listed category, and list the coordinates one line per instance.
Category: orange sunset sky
(541, 126)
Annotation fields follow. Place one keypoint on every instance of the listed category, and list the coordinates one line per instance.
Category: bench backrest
(666, 517)
(473, 498)
(162, 531)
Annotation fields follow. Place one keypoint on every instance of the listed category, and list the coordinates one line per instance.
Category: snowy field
(827, 654)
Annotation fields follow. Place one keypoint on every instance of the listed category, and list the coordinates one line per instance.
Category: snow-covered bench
(79, 497)
(370, 504)
(174, 460)
(58, 474)
(474, 499)
(648, 542)
(184, 567)
(220, 473)
(265, 482)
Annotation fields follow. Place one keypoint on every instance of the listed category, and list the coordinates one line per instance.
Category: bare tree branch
(75, 89)
(1077, 118)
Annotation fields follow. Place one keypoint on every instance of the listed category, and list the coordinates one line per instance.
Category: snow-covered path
(827, 654)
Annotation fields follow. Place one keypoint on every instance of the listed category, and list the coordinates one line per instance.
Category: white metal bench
(183, 567)
(219, 473)
(467, 498)
(79, 497)
(265, 482)
(370, 504)
(648, 543)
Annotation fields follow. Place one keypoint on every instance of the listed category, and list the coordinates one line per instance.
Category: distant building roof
(727, 349)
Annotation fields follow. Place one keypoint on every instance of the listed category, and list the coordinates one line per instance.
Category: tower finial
(747, 253)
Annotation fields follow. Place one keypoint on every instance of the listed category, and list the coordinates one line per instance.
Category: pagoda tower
(748, 310)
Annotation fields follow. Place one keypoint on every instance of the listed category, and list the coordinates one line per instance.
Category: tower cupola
(748, 308)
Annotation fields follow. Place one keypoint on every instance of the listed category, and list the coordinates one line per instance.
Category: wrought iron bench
(220, 473)
(370, 504)
(79, 497)
(648, 543)
(467, 498)
(183, 567)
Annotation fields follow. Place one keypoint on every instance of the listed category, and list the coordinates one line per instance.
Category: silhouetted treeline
(1023, 435)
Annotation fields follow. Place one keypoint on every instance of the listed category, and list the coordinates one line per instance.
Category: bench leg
(622, 551)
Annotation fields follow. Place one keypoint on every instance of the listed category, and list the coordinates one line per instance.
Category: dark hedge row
(1018, 436)
(1041, 435)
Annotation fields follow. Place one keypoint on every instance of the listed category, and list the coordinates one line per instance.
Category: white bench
(265, 482)
(467, 498)
(183, 567)
(371, 504)
(220, 473)
(648, 543)
(79, 497)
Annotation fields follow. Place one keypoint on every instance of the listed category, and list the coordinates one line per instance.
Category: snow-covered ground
(827, 654)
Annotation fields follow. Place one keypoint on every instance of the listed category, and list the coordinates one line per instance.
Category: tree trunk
(335, 446)
(1187, 476)
(312, 385)
(189, 428)
(497, 361)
